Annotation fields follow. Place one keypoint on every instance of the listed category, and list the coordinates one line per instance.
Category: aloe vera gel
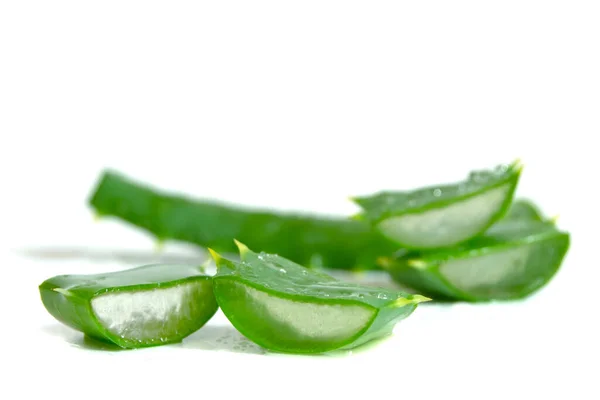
(145, 306)
(512, 260)
(442, 215)
(285, 307)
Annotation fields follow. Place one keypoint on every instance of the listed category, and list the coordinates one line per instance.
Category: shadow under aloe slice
(442, 215)
(285, 307)
(139, 307)
(512, 260)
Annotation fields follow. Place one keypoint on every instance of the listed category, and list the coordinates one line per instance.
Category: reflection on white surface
(77, 339)
(211, 337)
(220, 338)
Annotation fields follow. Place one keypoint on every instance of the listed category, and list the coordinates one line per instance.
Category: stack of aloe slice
(466, 241)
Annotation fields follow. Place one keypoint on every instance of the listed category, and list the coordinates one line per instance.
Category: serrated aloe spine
(442, 215)
(512, 260)
(310, 240)
(285, 307)
(140, 307)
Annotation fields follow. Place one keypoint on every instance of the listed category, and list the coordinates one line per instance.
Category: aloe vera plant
(285, 307)
(442, 215)
(512, 260)
(139, 307)
(310, 240)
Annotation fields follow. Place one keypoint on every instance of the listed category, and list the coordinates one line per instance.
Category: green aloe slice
(512, 260)
(523, 209)
(144, 306)
(285, 307)
(311, 240)
(442, 215)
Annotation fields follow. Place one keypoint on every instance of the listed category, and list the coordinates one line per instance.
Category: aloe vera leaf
(285, 307)
(139, 307)
(523, 209)
(310, 240)
(442, 215)
(512, 260)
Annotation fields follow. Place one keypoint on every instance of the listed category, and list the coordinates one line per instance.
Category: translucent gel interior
(495, 270)
(311, 321)
(154, 314)
(448, 225)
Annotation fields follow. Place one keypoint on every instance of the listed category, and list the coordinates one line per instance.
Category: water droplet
(478, 176)
(361, 296)
(437, 192)
(382, 296)
(500, 169)
(304, 272)
(261, 257)
(283, 271)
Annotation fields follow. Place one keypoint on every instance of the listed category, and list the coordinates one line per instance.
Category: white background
(296, 106)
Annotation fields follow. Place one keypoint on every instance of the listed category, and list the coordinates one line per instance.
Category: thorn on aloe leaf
(242, 248)
(416, 263)
(216, 256)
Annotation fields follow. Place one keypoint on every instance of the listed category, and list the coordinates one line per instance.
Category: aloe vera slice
(442, 215)
(512, 260)
(310, 240)
(285, 307)
(139, 307)
(522, 209)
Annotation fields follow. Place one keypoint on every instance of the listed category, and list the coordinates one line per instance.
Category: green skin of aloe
(512, 260)
(442, 215)
(310, 240)
(285, 307)
(139, 307)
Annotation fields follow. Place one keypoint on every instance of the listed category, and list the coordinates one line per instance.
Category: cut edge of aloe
(99, 310)
(353, 337)
(432, 277)
(402, 227)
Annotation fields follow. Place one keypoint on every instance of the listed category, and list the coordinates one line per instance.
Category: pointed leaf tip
(518, 164)
(384, 262)
(417, 298)
(414, 299)
(416, 263)
(216, 256)
(242, 248)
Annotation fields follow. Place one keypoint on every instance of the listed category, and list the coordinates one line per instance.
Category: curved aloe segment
(443, 215)
(306, 239)
(523, 209)
(512, 260)
(145, 306)
(285, 307)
